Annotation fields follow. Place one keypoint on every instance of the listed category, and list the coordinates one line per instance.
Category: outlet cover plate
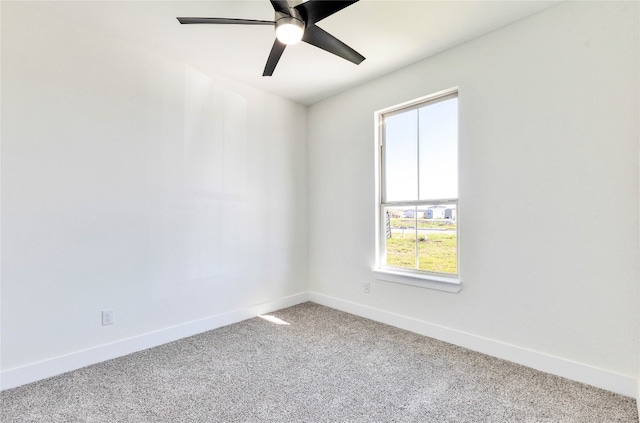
(107, 317)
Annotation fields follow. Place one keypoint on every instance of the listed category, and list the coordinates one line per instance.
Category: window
(417, 211)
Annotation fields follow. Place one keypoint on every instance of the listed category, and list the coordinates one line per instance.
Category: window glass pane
(419, 177)
(439, 150)
(401, 165)
(437, 238)
(401, 237)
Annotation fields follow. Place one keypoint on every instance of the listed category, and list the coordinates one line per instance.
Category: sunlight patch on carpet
(273, 319)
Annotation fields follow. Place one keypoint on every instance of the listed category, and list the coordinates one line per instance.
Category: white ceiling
(391, 34)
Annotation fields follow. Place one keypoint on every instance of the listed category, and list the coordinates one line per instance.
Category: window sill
(440, 283)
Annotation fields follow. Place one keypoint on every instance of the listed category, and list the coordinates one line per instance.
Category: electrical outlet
(107, 317)
(367, 287)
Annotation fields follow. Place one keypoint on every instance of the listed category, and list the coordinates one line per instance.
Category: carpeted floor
(322, 366)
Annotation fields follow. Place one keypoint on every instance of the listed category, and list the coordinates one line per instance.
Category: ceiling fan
(295, 21)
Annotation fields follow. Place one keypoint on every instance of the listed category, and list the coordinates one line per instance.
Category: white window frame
(419, 278)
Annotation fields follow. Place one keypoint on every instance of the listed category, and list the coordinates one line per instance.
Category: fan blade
(224, 21)
(281, 6)
(320, 38)
(274, 56)
(314, 11)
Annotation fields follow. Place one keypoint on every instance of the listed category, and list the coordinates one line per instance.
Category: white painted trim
(638, 396)
(420, 280)
(579, 372)
(583, 373)
(18, 376)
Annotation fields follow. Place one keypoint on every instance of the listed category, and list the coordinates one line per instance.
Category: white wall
(548, 192)
(136, 183)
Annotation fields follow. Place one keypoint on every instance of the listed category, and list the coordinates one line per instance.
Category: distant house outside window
(417, 208)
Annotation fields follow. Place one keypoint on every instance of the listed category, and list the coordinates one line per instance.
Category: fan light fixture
(289, 29)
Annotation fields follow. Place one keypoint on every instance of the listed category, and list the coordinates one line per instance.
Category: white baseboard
(18, 376)
(583, 373)
(600, 378)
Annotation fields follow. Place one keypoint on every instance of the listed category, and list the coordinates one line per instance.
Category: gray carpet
(324, 366)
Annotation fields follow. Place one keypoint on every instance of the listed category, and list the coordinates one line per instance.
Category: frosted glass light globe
(289, 30)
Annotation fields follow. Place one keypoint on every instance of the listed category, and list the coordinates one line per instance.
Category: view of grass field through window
(436, 249)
